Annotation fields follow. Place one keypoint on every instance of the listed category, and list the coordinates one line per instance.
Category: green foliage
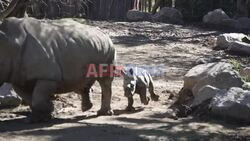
(246, 78)
(236, 65)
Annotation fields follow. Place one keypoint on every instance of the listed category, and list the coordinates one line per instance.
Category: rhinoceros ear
(131, 71)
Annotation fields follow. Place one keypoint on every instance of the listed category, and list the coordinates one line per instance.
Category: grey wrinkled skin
(43, 58)
(138, 80)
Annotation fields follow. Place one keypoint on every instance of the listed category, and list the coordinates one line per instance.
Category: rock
(207, 60)
(240, 24)
(246, 86)
(8, 97)
(244, 23)
(182, 105)
(201, 61)
(135, 15)
(232, 104)
(224, 40)
(215, 17)
(239, 48)
(216, 88)
(168, 15)
(231, 23)
(205, 93)
(222, 80)
(219, 75)
(233, 43)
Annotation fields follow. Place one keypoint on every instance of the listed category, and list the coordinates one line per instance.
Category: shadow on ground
(140, 129)
(191, 129)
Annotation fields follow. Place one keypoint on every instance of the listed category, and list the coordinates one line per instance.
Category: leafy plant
(246, 78)
(236, 65)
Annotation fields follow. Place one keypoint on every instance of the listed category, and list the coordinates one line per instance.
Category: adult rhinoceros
(43, 58)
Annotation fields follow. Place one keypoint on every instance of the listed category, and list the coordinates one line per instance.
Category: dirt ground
(176, 48)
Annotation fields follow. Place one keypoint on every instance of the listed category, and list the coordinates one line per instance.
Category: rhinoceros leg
(153, 96)
(130, 104)
(85, 93)
(41, 102)
(106, 84)
(143, 95)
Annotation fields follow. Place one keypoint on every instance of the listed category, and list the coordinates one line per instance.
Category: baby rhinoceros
(137, 80)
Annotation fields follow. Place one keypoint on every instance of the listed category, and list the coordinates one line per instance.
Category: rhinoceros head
(129, 82)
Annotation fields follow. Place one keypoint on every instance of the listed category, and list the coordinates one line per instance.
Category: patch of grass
(246, 78)
(236, 65)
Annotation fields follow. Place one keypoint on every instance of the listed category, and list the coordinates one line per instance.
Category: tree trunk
(149, 5)
(156, 5)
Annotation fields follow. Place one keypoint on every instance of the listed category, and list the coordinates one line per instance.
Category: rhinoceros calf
(138, 80)
(42, 58)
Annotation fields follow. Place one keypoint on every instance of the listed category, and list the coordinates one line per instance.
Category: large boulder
(220, 75)
(232, 104)
(240, 48)
(215, 17)
(224, 40)
(135, 15)
(231, 24)
(8, 97)
(168, 15)
(206, 80)
(241, 24)
(215, 89)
